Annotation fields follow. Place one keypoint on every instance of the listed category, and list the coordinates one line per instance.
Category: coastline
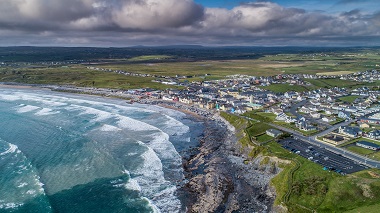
(217, 179)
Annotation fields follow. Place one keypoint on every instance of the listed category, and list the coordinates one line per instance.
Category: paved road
(312, 140)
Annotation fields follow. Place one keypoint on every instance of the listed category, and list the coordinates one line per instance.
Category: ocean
(77, 153)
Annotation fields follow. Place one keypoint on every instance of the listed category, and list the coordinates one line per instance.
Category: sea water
(75, 153)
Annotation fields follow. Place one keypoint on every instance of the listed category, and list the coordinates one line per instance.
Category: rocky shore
(220, 180)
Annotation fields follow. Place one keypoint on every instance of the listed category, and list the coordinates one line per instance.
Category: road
(312, 140)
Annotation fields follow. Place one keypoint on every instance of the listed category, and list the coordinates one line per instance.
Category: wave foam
(175, 126)
(27, 108)
(133, 124)
(10, 205)
(109, 128)
(133, 185)
(150, 178)
(46, 111)
(9, 97)
(12, 149)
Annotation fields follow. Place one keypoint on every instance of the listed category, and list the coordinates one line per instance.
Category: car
(310, 158)
(325, 158)
(307, 150)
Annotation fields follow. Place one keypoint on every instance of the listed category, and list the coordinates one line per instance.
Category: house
(344, 115)
(328, 119)
(225, 107)
(375, 134)
(303, 125)
(281, 117)
(368, 145)
(351, 131)
(254, 106)
(186, 100)
(303, 109)
(330, 112)
(315, 115)
(273, 133)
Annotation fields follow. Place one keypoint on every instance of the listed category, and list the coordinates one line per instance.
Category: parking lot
(329, 160)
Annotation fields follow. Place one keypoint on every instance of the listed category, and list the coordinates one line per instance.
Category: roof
(274, 131)
(366, 143)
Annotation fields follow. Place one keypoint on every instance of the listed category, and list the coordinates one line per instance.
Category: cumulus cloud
(86, 21)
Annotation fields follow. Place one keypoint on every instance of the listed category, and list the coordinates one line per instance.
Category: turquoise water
(72, 153)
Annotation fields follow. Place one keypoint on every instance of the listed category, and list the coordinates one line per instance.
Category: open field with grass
(360, 150)
(282, 88)
(366, 209)
(328, 63)
(258, 128)
(218, 69)
(267, 65)
(78, 76)
(349, 99)
(150, 57)
(264, 138)
(335, 73)
(328, 83)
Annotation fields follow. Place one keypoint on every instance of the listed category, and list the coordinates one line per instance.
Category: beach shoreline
(217, 177)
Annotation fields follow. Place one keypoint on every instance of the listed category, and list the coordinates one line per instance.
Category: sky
(121, 23)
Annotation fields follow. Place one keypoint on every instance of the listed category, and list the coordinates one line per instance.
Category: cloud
(177, 21)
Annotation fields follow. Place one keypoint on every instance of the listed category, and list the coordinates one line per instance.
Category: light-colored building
(274, 133)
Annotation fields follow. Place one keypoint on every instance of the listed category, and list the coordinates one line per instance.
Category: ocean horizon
(64, 152)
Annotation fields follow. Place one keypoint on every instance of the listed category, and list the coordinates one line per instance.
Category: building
(374, 134)
(274, 133)
(344, 115)
(328, 119)
(368, 145)
(304, 126)
(334, 139)
(351, 131)
(315, 115)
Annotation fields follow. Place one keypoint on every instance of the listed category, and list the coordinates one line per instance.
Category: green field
(78, 76)
(218, 69)
(150, 57)
(328, 83)
(349, 99)
(264, 138)
(258, 128)
(360, 150)
(282, 88)
(366, 209)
